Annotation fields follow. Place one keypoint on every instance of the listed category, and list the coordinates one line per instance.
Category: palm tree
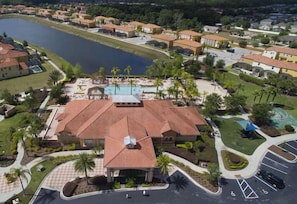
(101, 73)
(163, 163)
(116, 86)
(256, 94)
(161, 94)
(20, 173)
(131, 83)
(239, 87)
(84, 163)
(115, 71)
(262, 92)
(275, 91)
(191, 88)
(128, 71)
(20, 135)
(157, 83)
(54, 77)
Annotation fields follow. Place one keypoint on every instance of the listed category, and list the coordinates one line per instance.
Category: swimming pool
(128, 90)
(36, 69)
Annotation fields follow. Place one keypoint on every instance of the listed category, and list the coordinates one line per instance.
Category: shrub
(130, 183)
(72, 146)
(10, 178)
(289, 128)
(145, 185)
(242, 43)
(116, 185)
(69, 189)
(251, 79)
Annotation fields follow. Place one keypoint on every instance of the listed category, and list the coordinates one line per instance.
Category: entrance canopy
(247, 125)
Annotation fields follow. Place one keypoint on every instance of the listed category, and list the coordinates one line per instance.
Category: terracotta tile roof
(214, 37)
(136, 23)
(13, 54)
(163, 37)
(92, 119)
(271, 62)
(116, 154)
(8, 62)
(124, 28)
(4, 48)
(284, 50)
(190, 32)
(188, 43)
(151, 26)
(110, 25)
(23, 65)
(100, 17)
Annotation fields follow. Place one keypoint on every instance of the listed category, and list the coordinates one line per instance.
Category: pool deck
(79, 89)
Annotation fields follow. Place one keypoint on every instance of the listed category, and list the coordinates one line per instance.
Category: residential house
(28, 11)
(211, 29)
(287, 39)
(151, 29)
(281, 53)
(162, 38)
(128, 128)
(265, 65)
(120, 31)
(12, 62)
(62, 16)
(171, 33)
(266, 24)
(7, 110)
(189, 35)
(137, 26)
(84, 20)
(293, 28)
(216, 41)
(190, 45)
(46, 13)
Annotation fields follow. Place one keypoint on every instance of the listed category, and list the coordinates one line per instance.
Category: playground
(282, 118)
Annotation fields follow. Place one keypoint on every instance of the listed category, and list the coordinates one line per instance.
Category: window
(89, 142)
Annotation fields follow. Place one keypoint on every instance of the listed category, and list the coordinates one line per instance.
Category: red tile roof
(151, 26)
(188, 43)
(117, 155)
(271, 62)
(190, 32)
(214, 37)
(8, 62)
(163, 37)
(92, 119)
(289, 51)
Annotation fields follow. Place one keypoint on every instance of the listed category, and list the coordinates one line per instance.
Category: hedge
(252, 79)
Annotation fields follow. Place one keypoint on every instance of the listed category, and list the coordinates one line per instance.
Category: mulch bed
(282, 153)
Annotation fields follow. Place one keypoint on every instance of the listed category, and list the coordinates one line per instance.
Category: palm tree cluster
(270, 91)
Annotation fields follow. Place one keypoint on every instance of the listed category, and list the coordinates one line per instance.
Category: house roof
(214, 37)
(284, 50)
(188, 43)
(271, 62)
(163, 37)
(91, 119)
(116, 153)
(136, 23)
(151, 26)
(8, 62)
(190, 32)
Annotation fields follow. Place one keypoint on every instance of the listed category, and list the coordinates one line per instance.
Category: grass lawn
(289, 102)
(5, 143)
(231, 136)
(37, 177)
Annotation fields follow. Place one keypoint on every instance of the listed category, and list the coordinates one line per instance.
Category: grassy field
(289, 102)
(231, 136)
(102, 39)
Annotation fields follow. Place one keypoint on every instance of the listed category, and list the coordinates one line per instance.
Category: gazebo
(248, 126)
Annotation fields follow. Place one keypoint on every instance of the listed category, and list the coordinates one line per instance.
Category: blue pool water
(126, 90)
(36, 69)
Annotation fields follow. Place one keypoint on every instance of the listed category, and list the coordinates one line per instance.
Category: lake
(89, 54)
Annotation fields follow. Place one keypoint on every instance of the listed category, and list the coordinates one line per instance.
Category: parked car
(274, 180)
(230, 50)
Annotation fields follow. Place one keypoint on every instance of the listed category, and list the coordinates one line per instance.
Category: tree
(212, 105)
(57, 92)
(20, 173)
(25, 43)
(157, 83)
(54, 77)
(174, 90)
(256, 94)
(77, 70)
(188, 145)
(116, 86)
(97, 150)
(35, 124)
(84, 163)
(128, 71)
(20, 136)
(244, 23)
(191, 88)
(115, 71)
(262, 113)
(198, 146)
(69, 71)
(7, 96)
(265, 40)
(163, 163)
(213, 172)
(131, 83)
(262, 92)
(209, 60)
(242, 43)
(220, 64)
(31, 102)
(234, 102)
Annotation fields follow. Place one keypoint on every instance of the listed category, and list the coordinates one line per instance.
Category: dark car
(230, 50)
(274, 180)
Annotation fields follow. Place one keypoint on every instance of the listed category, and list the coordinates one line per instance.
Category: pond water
(89, 54)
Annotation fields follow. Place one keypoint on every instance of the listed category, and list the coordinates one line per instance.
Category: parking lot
(259, 189)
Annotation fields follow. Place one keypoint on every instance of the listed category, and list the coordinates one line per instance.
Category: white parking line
(274, 168)
(276, 162)
(291, 146)
(266, 183)
(252, 194)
